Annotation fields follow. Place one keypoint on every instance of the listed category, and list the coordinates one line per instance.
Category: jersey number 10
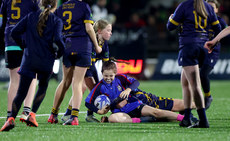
(199, 21)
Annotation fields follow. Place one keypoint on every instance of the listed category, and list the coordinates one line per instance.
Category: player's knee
(112, 118)
(156, 113)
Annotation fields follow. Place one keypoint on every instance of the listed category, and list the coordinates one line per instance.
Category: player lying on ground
(121, 90)
(175, 105)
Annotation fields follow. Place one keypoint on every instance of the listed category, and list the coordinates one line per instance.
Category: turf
(218, 115)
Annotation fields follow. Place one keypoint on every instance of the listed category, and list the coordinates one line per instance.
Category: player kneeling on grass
(123, 92)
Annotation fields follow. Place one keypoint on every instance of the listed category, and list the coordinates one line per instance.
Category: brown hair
(200, 8)
(110, 65)
(48, 4)
(214, 1)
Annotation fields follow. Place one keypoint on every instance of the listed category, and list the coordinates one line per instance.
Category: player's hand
(104, 119)
(122, 104)
(170, 17)
(124, 94)
(98, 49)
(104, 110)
(209, 45)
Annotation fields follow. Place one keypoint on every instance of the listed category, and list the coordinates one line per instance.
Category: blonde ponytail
(200, 8)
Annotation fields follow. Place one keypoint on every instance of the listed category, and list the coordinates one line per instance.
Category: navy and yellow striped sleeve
(176, 19)
(88, 15)
(2, 12)
(1, 21)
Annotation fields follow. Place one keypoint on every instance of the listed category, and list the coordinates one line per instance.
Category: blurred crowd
(152, 15)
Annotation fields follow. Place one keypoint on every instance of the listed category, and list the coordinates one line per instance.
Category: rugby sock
(89, 112)
(26, 110)
(202, 115)
(148, 119)
(54, 111)
(187, 113)
(136, 120)
(8, 114)
(68, 110)
(207, 94)
(74, 113)
(180, 117)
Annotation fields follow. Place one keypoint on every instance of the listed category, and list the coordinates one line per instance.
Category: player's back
(193, 24)
(73, 14)
(194, 28)
(39, 48)
(15, 10)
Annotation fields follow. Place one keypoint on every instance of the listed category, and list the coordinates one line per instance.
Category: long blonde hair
(200, 8)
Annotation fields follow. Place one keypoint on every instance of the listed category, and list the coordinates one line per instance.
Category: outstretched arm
(210, 44)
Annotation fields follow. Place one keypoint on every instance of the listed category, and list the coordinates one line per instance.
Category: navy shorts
(213, 57)
(32, 73)
(77, 52)
(162, 103)
(78, 59)
(192, 54)
(131, 109)
(13, 59)
(136, 112)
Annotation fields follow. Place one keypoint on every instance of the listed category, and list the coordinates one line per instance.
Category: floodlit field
(218, 115)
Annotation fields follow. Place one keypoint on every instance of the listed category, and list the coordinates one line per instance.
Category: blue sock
(68, 110)
(187, 114)
(202, 115)
(74, 113)
(89, 112)
(148, 119)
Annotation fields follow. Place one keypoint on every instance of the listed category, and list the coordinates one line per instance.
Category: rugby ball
(101, 101)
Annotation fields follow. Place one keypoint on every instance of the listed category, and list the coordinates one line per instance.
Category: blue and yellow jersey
(104, 55)
(193, 28)
(112, 90)
(74, 15)
(14, 12)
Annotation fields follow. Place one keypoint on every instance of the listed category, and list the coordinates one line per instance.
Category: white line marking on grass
(42, 115)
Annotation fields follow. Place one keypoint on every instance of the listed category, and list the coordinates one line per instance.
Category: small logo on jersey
(119, 88)
(211, 60)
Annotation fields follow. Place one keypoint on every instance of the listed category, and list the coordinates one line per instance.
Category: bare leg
(178, 105)
(13, 86)
(90, 82)
(120, 118)
(187, 96)
(30, 95)
(84, 87)
(158, 113)
(193, 76)
(63, 86)
(79, 73)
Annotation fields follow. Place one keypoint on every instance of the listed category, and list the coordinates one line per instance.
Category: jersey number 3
(17, 9)
(69, 14)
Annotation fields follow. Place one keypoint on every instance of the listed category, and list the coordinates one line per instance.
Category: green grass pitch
(218, 115)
